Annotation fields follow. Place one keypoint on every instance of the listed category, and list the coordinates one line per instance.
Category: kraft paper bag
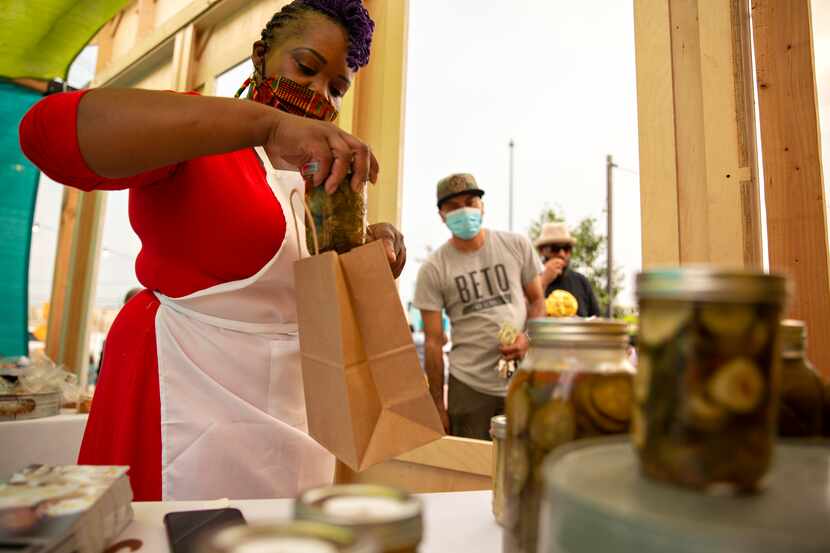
(367, 399)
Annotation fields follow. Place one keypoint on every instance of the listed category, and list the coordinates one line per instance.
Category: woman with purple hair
(201, 393)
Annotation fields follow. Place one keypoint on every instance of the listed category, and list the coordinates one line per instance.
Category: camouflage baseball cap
(457, 184)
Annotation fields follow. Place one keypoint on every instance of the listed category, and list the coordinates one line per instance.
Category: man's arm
(434, 359)
(535, 299)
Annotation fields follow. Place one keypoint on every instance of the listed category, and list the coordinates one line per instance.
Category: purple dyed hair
(350, 14)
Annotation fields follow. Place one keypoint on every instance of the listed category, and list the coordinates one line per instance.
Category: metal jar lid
(793, 338)
(697, 283)
(399, 529)
(498, 427)
(300, 536)
(576, 332)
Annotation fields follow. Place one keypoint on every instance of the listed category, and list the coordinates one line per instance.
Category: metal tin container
(802, 393)
(392, 517)
(289, 537)
(498, 433)
(575, 382)
(708, 376)
(29, 406)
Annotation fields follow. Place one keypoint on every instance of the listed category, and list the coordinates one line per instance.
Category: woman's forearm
(123, 132)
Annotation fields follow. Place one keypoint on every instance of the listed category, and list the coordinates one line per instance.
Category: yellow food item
(738, 386)
(561, 303)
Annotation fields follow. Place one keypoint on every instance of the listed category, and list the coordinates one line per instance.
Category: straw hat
(554, 233)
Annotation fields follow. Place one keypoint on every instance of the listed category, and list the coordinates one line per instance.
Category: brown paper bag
(366, 396)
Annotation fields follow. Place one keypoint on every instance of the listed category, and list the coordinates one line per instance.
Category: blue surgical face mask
(464, 223)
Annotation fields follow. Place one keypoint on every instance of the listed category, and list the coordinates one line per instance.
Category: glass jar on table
(575, 382)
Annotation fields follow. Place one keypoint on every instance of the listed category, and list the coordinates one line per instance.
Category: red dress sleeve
(49, 138)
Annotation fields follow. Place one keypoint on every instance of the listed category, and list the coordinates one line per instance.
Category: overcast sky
(557, 77)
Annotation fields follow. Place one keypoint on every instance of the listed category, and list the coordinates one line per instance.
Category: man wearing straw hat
(555, 245)
(488, 282)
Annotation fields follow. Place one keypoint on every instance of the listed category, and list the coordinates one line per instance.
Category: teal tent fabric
(18, 179)
(40, 38)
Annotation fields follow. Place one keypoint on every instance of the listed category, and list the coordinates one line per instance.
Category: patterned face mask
(289, 96)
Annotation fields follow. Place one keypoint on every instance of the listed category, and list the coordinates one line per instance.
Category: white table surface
(453, 522)
(49, 440)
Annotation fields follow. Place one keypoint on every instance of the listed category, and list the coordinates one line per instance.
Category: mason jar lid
(577, 331)
(793, 337)
(711, 284)
(391, 516)
(498, 427)
(299, 536)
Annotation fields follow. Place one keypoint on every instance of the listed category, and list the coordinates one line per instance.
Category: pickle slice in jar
(553, 425)
(727, 320)
(660, 322)
(517, 466)
(584, 404)
(642, 380)
(517, 408)
(704, 415)
(612, 396)
(738, 385)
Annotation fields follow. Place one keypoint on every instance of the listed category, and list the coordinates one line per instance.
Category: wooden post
(183, 58)
(698, 195)
(73, 289)
(795, 202)
(379, 105)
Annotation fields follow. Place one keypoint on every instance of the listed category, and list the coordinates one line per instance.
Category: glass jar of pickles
(339, 219)
(498, 433)
(289, 537)
(391, 517)
(575, 382)
(708, 376)
(802, 394)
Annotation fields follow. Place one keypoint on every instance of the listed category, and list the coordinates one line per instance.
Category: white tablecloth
(453, 522)
(50, 440)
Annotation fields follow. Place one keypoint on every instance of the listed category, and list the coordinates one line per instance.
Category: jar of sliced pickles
(340, 219)
(802, 393)
(390, 516)
(289, 537)
(575, 382)
(708, 376)
(498, 432)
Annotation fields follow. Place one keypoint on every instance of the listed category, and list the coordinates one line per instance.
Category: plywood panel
(166, 9)
(125, 30)
(795, 202)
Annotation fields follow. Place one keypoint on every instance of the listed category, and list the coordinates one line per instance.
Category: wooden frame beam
(699, 196)
(794, 190)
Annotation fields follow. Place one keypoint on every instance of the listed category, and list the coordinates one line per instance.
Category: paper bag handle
(310, 222)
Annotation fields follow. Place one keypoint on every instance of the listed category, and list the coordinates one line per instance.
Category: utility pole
(511, 145)
(609, 179)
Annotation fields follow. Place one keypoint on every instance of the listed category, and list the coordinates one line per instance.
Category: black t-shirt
(578, 285)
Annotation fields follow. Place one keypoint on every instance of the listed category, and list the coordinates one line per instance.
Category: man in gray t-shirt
(483, 279)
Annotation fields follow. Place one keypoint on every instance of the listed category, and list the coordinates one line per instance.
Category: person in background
(555, 246)
(484, 279)
(95, 371)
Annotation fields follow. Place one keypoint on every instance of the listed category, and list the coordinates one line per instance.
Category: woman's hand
(299, 140)
(392, 242)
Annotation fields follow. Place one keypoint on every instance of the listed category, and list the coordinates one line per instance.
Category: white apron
(233, 421)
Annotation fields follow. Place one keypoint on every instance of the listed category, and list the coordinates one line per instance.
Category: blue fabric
(19, 179)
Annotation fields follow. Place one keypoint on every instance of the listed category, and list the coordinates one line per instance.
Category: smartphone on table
(186, 528)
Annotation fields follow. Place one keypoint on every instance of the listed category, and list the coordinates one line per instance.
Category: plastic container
(575, 382)
(498, 433)
(707, 376)
(391, 517)
(289, 537)
(597, 501)
(802, 390)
